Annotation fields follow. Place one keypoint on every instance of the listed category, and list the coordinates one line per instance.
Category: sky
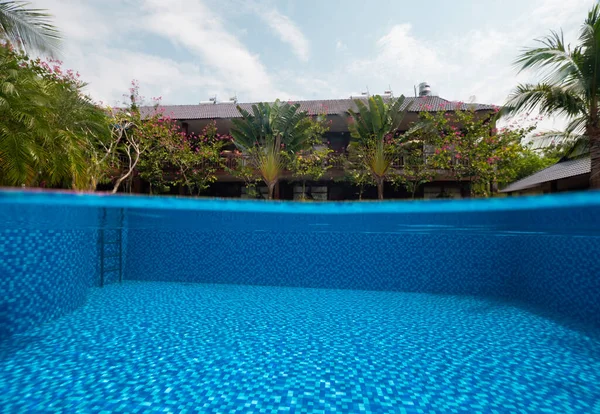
(186, 51)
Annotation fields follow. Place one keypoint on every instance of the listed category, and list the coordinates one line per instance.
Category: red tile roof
(330, 106)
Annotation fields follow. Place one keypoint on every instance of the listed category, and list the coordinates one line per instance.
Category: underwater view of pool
(139, 304)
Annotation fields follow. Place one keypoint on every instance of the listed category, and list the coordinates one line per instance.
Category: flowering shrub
(468, 146)
(161, 152)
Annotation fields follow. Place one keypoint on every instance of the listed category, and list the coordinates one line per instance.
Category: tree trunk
(594, 138)
(414, 191)
(303, 190)
(271, 187)
(380, 183)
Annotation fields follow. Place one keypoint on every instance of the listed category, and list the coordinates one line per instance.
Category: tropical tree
(529, 161)
(48, 127)
(312, 163)
(74, 127)
(570, 84)
(468, 147)
(417, 166)
(374, 129)
(22, 103)
(28, 28)
(196, 158)
(356, 171)
(268, 134)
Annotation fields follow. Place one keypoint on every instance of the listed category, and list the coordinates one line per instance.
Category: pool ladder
(105, 239)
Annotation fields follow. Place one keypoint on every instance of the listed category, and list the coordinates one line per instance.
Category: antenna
(415, 90)
(213, 99)
(472, 99)
(366, 93)
(234, 98)
(389, 92)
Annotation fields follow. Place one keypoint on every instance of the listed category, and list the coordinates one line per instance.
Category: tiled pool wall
(547, 258)
(559, 273)
(555, 261)
(47, 268)
(44, 272)
(411, 263)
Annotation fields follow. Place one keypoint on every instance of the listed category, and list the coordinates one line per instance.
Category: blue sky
(189, 50)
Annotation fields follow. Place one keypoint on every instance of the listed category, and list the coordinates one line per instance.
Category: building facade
(193, 118)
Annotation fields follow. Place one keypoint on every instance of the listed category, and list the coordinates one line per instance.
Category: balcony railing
(336, 162)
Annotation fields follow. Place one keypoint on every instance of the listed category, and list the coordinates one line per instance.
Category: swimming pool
(216, 306)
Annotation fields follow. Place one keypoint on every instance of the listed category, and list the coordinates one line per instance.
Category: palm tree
(23, 101)
(31, 29)
(371, 129)
(570, 84)
(49, 129)
(268, 132)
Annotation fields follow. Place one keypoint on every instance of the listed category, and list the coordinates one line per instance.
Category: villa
(193, 118)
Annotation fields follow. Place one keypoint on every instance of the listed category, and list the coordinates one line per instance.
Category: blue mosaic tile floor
(162, 347)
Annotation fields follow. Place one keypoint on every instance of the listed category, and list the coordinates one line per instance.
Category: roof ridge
(311, 100)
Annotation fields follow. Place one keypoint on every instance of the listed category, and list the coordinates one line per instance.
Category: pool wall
(50, 257)
(413, 262)
(558, 273)
(45, 273)
(546, 258)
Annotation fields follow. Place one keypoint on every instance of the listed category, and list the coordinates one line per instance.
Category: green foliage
(468, 147)
(374, 131)
(277, 124)
(356, 171)
(569, 84)
(270, 135)
(243, 170)
(198, 157)
(417, 168)
(155, 146)
(26, 28)
(374, 121)
(49, 129)
(528, 162)
(312, 163)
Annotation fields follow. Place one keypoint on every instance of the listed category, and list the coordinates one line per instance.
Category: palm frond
(555, 60)
(551, 138)
(29, 27)
(548, 99)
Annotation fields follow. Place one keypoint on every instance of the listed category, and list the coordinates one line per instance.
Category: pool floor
(167, 347)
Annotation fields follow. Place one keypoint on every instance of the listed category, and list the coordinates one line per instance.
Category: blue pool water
(486, 306)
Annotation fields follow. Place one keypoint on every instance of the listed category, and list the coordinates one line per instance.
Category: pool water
(134, 305)
(171, 347)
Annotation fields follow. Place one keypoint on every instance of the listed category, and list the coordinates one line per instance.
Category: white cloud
(555, 13)
(158, 76)
(194, 26)
(474, 63)
(112, 41)
(107, 42)
(288, 32)
(402, 59)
